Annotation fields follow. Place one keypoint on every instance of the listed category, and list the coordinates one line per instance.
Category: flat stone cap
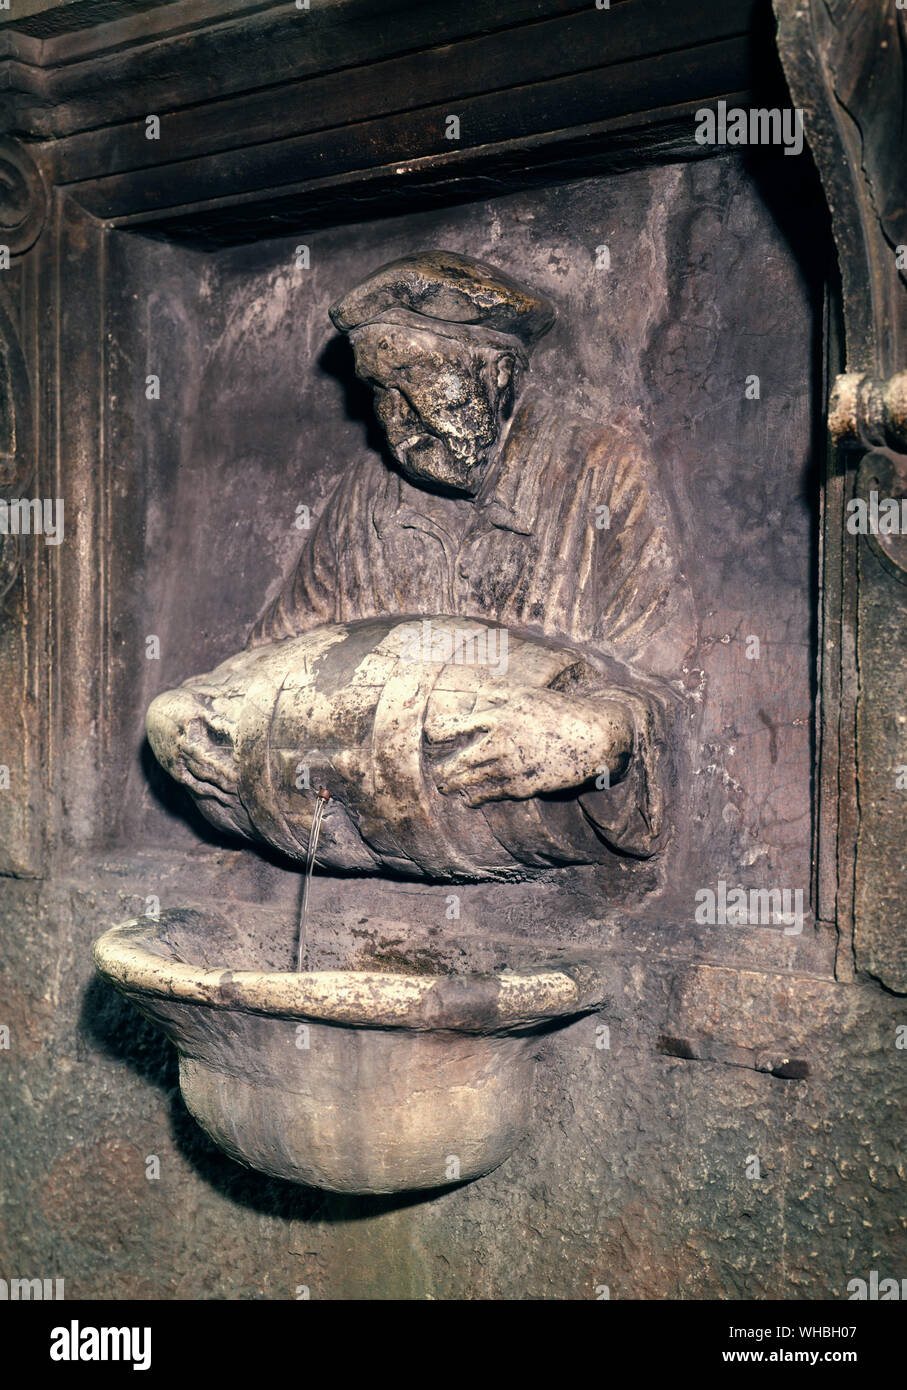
(445, 287)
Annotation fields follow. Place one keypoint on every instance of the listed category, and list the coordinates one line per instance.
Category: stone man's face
(440, 400)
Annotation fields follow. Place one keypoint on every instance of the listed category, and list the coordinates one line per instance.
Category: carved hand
(525, 741)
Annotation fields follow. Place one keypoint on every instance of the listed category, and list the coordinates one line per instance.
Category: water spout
(321, 802)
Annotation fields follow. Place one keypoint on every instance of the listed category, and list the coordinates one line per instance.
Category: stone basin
(354, 1080)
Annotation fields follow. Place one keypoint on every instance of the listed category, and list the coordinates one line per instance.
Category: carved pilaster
(845, 65)
(23, 208)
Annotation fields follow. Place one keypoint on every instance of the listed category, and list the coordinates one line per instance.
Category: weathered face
(440, 400)
(191, 732)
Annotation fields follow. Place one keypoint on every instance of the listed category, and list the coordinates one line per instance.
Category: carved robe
(532, 550)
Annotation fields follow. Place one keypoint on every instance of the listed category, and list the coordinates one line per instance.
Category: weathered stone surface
(355, 1080)
(437, 740)
(846, 70)
(566, 533)
(634, 1172)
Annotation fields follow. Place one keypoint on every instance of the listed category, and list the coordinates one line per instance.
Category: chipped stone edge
(468, 1003)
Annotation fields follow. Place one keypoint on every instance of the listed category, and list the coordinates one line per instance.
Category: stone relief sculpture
(478, 650)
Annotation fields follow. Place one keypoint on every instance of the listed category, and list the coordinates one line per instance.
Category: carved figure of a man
(505, 526)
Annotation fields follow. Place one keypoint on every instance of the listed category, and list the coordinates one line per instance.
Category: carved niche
(482, 678)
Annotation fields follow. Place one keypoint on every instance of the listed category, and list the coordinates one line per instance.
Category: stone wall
(727, 1045)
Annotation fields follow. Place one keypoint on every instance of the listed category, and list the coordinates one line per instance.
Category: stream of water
(321, 802)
